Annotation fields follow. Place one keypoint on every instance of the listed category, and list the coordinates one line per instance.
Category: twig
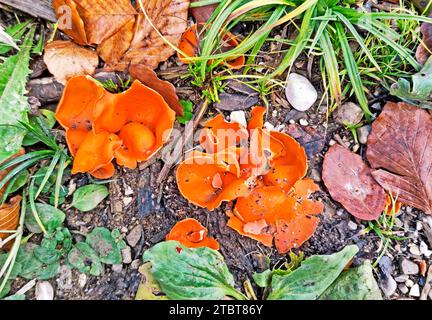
(427, 286)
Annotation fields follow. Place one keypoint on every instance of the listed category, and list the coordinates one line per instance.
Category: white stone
(403, 288)
(303, 122)
(239, 117)
(415, 291)
(268, 126)
(44, 291)
(352, 226)
(82, 280)
(409, 283)
(425, 250)
(299, 92)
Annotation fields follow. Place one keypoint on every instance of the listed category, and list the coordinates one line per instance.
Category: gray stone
(134, 235)
(127, 255)
(402, 278)
(44, 291)
(117, 268)
(352, 226)
(64, 281)
(82, 280)
(299, 92)
(409, 283)
(348, 113)
(388, 286)
(409, 267)
(403, 288)
(363, 133)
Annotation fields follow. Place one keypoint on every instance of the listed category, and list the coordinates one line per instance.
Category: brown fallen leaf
(9, 218)
(166, 89)
(202, 14)
(400, 147)
(424, 49)
(349, 181)
(66, 59)
(99, 19)
(3, 173)
(169, 17)
(311, 139)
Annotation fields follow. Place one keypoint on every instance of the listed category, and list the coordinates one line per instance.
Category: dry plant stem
(249, 290)
(188, 134)
(36, 8)
(10, 261)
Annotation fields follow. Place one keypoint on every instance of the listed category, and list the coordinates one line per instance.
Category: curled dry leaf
(400, 148)
(9, 216)
(66, 60)
(147, 47)
(166, 89)
(262, 170)
(93, 21)
(349, 181)
(192, 234)
(424, 49)
(203, 13)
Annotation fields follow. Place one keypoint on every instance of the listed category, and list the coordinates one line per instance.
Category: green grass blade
(31, 193)
(320, 29)
(48, 173)
(331, 65)
(352, 70)
(61, 168)
(25, 157)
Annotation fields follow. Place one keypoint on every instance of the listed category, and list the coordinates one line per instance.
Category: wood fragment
(427, 286)
(35, 8)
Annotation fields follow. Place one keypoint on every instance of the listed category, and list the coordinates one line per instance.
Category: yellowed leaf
(148, 288)
(65, 60)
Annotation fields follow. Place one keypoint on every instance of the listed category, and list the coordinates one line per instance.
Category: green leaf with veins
(354, 284)
(102, 242)
(85, 259)
(421, 92)
(312, 278)
(13, 102)
(51, 217)
(191, 273)
(88, 197)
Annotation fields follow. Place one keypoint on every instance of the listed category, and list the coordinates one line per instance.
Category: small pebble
(299, 92)
(117, 268)
(415, 291)
(82, 280)
(303, 122)
(127, 200)
(425, 250)
(291, 121)
(414, 249)
(402, 278)
(128, 191)
(403, 288)
(44, 291)
(409, 283)
(348, 113)
(388, 285)
(238, 117)
(134, 235)
(135, 264)
(355, 147)
(332, 142)
(352, 225)
(363, 133)
(268, 126)
(127, 255)
(409, 267)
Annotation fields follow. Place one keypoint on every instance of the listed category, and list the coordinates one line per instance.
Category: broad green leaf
(312, 278)
(88, 197)
(149, 288)
(187, 112)
(33, 267)
(102, 242)
(354, 284)
(47, 255)
(184, 273)
(13, 103)
(421, 92)
(51, 218)
(85, 259)
(262, 279)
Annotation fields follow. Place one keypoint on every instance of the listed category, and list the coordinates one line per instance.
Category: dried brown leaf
(202, 14)
(166, 89)
(400, 147)
(424, 49)
(349, 181)
(100, 19)
(169, 17)
(65, 60)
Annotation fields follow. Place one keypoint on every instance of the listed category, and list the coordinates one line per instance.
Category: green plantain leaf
(191, 274)
(103, 243)
(312, 278)
(354, 284)
(88, 197)
(13, 104)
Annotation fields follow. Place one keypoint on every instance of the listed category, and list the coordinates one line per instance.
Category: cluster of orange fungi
(263, 171)
(190, 44)
(101, 126)
(190, 233)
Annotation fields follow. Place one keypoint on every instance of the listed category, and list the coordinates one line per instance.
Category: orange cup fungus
(262, 171)
(101, 126)
(190, 44)
(190, 233)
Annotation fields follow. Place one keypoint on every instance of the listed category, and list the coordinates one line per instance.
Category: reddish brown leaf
(65, 60)
(169, 17)
(202, 14)
(349, 181)
(99, 18)
(400, 147)
(164, 88)
(424, 49)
